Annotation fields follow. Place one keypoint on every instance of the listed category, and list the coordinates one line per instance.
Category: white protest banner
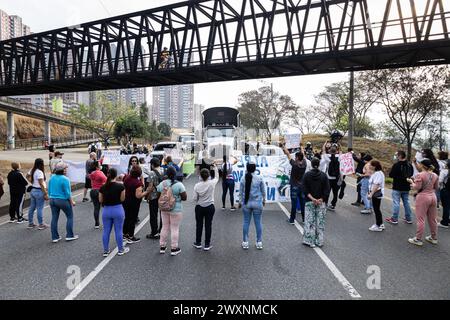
(293, 140)
(347, 165)
(76, 171)
(275, 171)
(111, 157)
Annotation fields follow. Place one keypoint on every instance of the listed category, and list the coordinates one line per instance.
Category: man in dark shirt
(298, 171)
(17, 187)
(400, 172)
(317, 189)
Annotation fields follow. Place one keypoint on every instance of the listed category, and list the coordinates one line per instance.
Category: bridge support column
(10, 131)
(73, 133)
(47, 131)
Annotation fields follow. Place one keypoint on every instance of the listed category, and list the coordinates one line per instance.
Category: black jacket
(360, 164)
(17, 183)
(316, 183)
(401, 171)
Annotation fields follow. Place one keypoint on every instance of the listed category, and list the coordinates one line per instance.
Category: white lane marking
(330, 265)
(86, 281)
(188, 176)
(46, 207)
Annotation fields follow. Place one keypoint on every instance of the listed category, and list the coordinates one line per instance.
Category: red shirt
(131, 184)
(98, 179)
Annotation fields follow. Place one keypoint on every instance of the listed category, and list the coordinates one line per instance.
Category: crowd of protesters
(316, 186)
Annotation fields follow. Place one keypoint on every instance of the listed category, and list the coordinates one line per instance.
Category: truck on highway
(221, 132)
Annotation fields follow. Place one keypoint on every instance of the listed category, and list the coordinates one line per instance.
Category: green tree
(153, 134)
(100, 117)
(129, 126)
(333, 106)
(165, 129)
(410, 96)
(264, 109)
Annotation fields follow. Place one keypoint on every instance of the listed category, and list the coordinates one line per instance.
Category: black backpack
(406, 170)
(333, 167)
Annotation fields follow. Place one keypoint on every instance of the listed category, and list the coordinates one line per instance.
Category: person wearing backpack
(227, 183)
(154, 179)
(426, 183)
(400, 172)
(171, 193)
(331, 166)
(444, 183)
(299, 166)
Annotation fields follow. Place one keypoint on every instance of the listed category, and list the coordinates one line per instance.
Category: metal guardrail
(59, 142)
(36, 109)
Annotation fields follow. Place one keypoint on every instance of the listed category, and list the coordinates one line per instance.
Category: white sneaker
(442, 226)
(259, 245)
(376, 228)
(383, 227)
(431, 240)
(415, 241)
(56, 240)
(245, 245)
(125, 251)
(72, 238)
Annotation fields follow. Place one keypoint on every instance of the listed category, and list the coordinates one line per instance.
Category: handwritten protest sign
(292, 140)
(347, 164)
(111, 157)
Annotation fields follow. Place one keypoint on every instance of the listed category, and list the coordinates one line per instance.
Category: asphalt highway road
(32, 267)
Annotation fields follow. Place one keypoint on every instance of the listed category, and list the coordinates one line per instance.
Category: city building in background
(174, 105)
(197, 116)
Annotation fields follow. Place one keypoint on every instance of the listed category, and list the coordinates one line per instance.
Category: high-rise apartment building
(174, 105)
(4, 26)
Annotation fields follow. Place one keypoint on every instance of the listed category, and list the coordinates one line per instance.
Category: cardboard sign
(111, 157)
(347, 165)
(293, 140)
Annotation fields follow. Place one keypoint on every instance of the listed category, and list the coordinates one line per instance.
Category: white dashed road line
(86, 281)
(330, 265)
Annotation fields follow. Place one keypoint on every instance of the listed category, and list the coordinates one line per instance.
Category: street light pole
(351, 116)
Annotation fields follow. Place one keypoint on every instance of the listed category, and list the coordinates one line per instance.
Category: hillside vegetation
(381, 150)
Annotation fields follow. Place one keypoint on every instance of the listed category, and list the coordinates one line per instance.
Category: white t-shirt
(38, 174)
(377, 178)
(324, 163)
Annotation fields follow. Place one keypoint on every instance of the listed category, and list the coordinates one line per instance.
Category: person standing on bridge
(38, 194)
(89, 169)
(252, 192)
(427, 184)
(111, 196)
(60, 195)
(204, 209)
(317, 189)
(17, 187)
(98, 179)
(171, 193)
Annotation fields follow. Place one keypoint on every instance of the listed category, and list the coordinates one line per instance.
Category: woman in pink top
(98, 179)
(426, 183)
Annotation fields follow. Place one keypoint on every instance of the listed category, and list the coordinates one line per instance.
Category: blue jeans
(57, 205)
(297, 196)
(404, 196)
(113, 215)
(365, 192)
(37, 203)
(257, 215)
(228, 184)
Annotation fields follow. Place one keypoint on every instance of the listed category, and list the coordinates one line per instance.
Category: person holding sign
(299, 166)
